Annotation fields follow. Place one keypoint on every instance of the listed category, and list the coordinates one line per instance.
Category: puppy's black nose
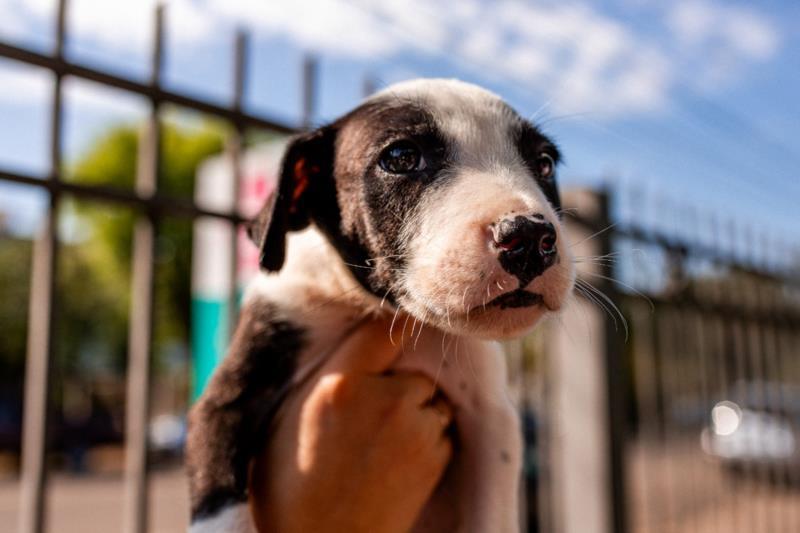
(526, 246)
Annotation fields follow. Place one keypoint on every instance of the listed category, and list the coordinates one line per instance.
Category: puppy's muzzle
(525, 245)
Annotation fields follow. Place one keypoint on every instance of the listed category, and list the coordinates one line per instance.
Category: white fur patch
(234, 519)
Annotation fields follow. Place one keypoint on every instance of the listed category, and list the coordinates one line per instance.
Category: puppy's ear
(306, 165)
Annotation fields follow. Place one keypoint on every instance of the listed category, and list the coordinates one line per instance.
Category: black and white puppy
(435, 198)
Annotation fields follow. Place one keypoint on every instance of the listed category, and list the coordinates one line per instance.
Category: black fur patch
(229, 423)
(374, 205)
(531, 143)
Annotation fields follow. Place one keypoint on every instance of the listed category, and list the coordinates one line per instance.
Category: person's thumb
(369, 349)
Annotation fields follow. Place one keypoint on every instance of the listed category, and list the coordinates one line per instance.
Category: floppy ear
(306, 165)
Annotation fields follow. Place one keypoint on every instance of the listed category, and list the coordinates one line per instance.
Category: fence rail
(151, 207)
(701, 340)
(697, 341)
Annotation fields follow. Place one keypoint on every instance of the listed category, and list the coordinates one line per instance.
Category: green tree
(112, 160)
(95, 264)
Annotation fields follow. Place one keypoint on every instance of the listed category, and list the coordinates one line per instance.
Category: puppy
(433, 198)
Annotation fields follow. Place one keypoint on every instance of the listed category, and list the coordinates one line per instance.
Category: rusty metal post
(236, 148)
(37, 376)
(40, 326)
(140, 328)
(309, 90)
(617, 383)
(586, 458)
(368, 86)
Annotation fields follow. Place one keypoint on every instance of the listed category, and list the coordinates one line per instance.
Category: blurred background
(136, 136)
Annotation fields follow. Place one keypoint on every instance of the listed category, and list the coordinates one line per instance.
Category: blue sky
(691, 100)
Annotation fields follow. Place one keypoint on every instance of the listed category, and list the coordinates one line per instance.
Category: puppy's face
(442, 199)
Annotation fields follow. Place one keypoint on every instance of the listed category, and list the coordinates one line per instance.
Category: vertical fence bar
(235, 150)
(368, 86)
(40, 325)
(309, 90)
(616, 384)
(140, 333)
(578, 421)
(37, 375)
(643, 519)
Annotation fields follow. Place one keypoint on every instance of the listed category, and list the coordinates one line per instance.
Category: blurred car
(166, 438)
(756, 430)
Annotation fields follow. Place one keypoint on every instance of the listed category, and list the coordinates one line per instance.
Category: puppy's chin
(491, 314)
(503, 324)
(492, 322)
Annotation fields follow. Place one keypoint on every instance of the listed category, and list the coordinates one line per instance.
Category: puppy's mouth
(516, 299)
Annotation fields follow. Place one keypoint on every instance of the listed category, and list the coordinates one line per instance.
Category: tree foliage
(94, 262)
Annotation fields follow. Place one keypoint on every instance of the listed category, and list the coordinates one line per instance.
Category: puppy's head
(440, 198)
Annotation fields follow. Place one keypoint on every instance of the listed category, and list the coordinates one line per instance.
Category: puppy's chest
(471, 372)
(478, 491)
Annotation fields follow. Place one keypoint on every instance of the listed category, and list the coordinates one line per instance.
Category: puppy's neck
(314, 274)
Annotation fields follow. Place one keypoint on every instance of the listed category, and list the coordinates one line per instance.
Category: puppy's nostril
(525, 246)
(547, 245)
(511, 243)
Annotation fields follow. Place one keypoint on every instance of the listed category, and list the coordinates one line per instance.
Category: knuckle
(395, 410)
(335, 389)
(414, 385)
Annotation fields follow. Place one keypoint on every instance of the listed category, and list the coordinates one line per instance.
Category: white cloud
(582, 59)
(570, 51)
(703, 22)
(335, 26)
(715, 41)
(111, 103)
(118, 24)
(23, 85)
(26, 86)
(12, 23)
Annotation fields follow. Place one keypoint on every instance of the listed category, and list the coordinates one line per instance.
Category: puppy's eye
(545, 165)
(401, 157)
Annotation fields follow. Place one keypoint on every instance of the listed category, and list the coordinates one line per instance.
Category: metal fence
(151, 207)
(711, 374)
(698, 370)
(713, 339)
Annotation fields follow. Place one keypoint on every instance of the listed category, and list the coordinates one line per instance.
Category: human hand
(356, 449)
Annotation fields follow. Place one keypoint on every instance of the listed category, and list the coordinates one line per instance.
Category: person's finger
(417, 389)
(434, 420)
(369, 349)
(444, 412)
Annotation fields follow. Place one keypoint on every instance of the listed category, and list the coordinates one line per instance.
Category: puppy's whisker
(595, 234)
(447, 308)
(421, 324)
(611, 258)
(403, 333)
(391, 327)
(464, 301)
(600, 294)
(627, 286)
(579, 115)
(535, 116)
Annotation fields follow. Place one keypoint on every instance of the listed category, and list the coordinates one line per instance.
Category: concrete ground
(90, 504)
(674, 490)
(677, 489)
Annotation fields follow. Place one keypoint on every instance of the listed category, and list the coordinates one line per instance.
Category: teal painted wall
(209, 339)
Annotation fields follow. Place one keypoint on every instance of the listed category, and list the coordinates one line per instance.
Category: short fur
(366, 241)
